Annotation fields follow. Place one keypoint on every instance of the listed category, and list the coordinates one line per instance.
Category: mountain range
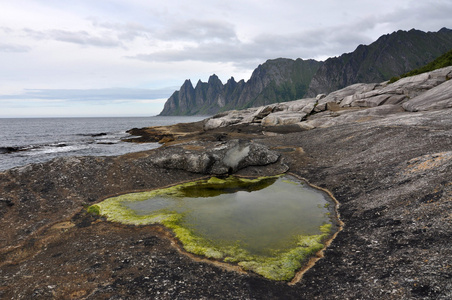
(282, 79)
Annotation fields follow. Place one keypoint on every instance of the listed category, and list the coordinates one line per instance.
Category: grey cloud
(6, 29)
(39, 35)
(308, 44)
(318, 42)
(200, 31)
(11, 48)
(84, 38)
(124, 31)
(216, 41)
(92, 94)
(423, 14)
(210, 52)
(76, 37)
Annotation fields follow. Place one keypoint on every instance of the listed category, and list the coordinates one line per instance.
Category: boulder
(353, 89)
(215, 123)
(374, 98)
(439, 97)
(378, 100)
(300, 105)
(283, 118)
(320, 107)
(230, 118)
(416, 85)
(329, 119)
(320, 96)
(309, 107)
(216, 159)
(261, 113)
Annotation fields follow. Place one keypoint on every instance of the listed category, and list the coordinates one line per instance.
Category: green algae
(275, 263)
(93, 209)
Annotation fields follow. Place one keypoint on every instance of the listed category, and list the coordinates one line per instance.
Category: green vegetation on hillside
(443, 61)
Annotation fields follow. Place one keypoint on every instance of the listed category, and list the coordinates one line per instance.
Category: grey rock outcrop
(438, 97)
(218, 159)
(356, 103)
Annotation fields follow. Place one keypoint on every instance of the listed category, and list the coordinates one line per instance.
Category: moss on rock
(281, 265)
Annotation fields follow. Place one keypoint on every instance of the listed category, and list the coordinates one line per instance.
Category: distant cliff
(391, 55)
(276, 80)
(281, 79)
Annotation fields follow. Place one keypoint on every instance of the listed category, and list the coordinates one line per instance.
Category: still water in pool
(261, 217)
(270, 225)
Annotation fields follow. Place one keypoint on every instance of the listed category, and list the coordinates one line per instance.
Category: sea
(33, 140)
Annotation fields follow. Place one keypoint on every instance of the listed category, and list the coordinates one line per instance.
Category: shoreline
(391, 175)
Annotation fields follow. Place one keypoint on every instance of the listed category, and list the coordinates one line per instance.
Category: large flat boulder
(283, 118)
(439, 97)
(217, 158)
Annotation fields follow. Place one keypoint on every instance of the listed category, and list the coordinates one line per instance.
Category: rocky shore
(383, 150)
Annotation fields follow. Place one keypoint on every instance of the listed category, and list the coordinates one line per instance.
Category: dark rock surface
(392, 176)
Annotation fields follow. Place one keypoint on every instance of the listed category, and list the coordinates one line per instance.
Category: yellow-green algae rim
(282, 266)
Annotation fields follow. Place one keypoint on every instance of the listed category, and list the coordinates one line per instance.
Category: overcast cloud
(118, 57)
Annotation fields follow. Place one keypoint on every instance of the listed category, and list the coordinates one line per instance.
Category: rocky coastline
(383, 150)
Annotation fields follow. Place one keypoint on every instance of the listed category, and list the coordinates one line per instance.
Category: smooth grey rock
(283, 118)
(229, 118)
(339, 95)
(348, 100)
(378, 100)
(416, 85)
(223, 158)
(439, 97)
(374, 98)
(215, 123)
(309, 108)
(306, 125)
(300, 105)
(280, 107)
(370, 102)
(329, 119)
(262, 112)
(320, 107)
(421, 89)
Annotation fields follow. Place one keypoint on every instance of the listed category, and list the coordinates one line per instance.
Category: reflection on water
(261, 215)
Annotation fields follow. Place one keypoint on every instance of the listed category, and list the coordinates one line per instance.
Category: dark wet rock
(4, 150)
(98, 134)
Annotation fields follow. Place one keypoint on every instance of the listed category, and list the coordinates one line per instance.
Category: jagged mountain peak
(232, 79)
(213, 79)
(187, 82)
(285, 79)
(390, 55)
(445, 30)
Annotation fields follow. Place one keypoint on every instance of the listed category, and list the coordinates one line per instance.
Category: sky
(76, 58)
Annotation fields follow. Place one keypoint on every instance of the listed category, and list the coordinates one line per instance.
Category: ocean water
(34, 140)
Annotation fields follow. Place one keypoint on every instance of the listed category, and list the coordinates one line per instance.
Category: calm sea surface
(25, 141)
